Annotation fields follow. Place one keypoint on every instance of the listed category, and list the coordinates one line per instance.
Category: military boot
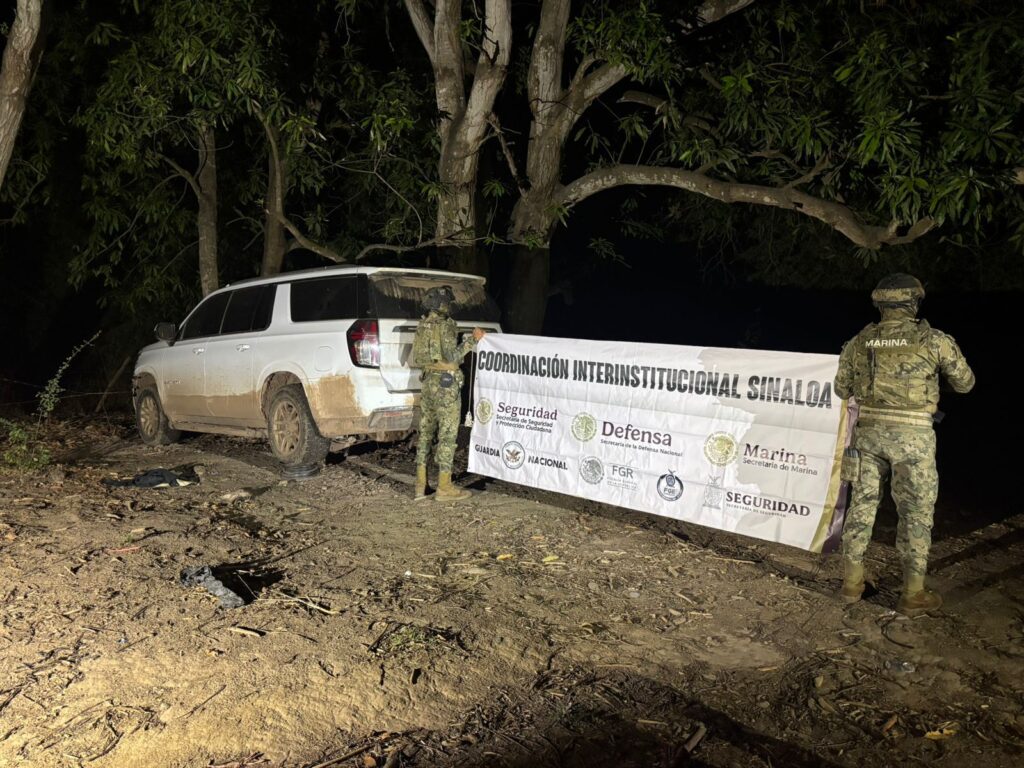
(853, 581)
(421, 482)
(919, 603)
(448, 492)
(915, 599)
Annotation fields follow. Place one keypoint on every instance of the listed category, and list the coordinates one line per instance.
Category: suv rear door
(397, 300)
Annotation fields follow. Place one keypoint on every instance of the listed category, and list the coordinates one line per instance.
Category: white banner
(737, 439)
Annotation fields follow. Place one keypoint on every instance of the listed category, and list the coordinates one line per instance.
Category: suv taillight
(364, 343)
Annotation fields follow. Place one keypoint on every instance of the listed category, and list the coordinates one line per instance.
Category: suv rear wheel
(151, 421)
(293, 435)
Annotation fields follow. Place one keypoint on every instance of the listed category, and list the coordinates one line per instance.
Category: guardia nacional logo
(484, 411)
(584, 427)
(513, 454)
(720, 448)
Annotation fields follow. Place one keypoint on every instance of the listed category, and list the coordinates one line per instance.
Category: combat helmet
(898, 289)
(439, 299)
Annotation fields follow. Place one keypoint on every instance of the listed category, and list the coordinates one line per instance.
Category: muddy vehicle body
(307, 359)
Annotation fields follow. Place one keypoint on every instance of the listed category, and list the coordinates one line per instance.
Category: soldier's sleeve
(844, 375)
(953, 365)
(467, 346)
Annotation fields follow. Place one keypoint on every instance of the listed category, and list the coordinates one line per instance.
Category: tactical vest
(895, 367)
(435, 341)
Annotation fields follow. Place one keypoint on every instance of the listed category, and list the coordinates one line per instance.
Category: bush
(22, 441)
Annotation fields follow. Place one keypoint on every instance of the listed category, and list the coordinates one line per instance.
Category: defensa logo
(484, 411)
(584, 427)
(635, 434)
(513, 454)
(670, 487)
(720, 448)
(592, 470)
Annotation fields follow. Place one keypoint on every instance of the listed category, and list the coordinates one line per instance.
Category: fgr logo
(484, 411)
(584, 427)
(592, 469)
(670, 487)
(513, 454)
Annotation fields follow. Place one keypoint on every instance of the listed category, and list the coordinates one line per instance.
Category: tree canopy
(803, 143)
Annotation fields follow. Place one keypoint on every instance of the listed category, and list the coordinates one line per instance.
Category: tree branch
(423, 25)
(824, 163)
(449, 74)
(403, 248)
(190, 178)
(835, 215)
(491, 68)
(22, 52)
(657, 103)
(275, 207)
(521, 183)
(711, 11)
(544, 80)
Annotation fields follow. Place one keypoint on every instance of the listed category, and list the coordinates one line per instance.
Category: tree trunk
(527, 293)
(22, 53)
(207, 181)
(273, 229)
(464, 115)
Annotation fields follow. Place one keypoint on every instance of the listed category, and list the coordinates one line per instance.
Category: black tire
(291, 431)
(151, 421)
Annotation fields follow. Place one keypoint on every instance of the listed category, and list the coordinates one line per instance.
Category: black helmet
(439, 299)
(898, 289)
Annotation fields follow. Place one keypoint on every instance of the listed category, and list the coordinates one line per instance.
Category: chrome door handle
(241, 347)
(198, 350)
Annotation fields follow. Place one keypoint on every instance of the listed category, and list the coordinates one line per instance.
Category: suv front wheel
(293, 435)
(151, 421)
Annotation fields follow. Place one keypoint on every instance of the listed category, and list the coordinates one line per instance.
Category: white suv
(303, 358)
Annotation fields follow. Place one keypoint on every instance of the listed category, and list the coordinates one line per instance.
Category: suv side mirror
(166, 332)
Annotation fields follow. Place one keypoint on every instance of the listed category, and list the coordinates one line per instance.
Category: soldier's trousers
(909, 452)
(439, 414)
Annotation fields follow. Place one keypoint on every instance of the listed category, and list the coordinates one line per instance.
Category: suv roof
(343, 269)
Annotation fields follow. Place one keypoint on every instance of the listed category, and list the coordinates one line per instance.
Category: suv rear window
(249, 309)
(400, 295)
(326, 298)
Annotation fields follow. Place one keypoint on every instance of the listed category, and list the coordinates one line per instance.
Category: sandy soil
(516, 629)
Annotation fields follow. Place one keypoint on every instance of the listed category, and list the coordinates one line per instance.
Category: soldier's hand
(479, 333)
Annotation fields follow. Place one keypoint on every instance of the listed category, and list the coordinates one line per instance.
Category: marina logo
(670, 487)
(592, 470)
(513, 454)
(720, 448)
(584, 427)
(484, 411)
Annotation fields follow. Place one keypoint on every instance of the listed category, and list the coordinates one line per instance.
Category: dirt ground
(516, 629)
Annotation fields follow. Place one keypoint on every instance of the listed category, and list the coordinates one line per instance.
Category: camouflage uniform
(892, 370)
(437, 351)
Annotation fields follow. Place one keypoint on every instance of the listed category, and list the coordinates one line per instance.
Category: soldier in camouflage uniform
(437, 351)
(892, 370)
